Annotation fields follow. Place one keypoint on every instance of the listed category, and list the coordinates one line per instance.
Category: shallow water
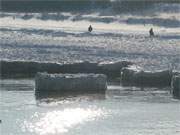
(122, 110)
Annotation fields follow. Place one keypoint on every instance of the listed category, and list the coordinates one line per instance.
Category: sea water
(122, 110)
(54, 33)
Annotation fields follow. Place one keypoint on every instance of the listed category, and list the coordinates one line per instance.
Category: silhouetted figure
(90, 28)
(151, 32)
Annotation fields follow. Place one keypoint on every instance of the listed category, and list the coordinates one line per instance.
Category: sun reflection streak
(56, 122)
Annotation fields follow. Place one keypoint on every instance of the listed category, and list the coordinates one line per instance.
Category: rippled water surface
(122, 110)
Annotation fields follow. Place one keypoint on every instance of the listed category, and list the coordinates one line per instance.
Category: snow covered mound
(62, 84)
(136, 76)
(176, 87)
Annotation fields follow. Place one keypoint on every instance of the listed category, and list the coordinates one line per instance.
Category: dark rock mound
(48, 85)
(136, 76)
(176, 87)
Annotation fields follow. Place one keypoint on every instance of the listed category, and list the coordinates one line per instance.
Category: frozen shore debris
(62, 84)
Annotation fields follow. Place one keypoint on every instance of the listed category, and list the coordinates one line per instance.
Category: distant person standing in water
(151, 32)
(90, 28)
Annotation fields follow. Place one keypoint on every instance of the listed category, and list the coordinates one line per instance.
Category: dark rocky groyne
(29, 68)
(125, 72)
(136, 76)
(112, 69)
(176, 86)
(26, 68)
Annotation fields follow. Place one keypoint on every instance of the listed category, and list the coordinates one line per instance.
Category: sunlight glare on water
(56, 122)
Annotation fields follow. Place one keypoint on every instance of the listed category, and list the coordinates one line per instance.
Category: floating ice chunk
(64, 84)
